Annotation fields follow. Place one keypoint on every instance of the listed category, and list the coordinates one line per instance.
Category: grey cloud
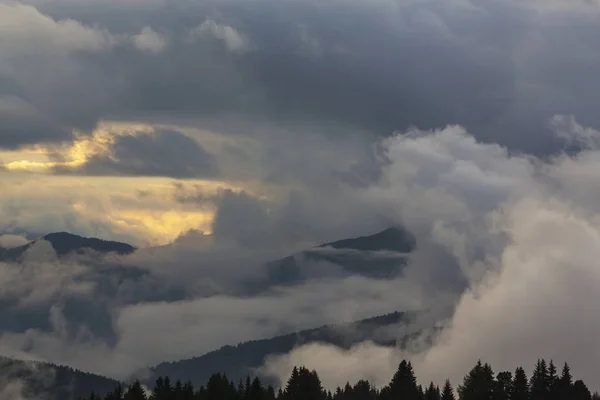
(379, 66)
(495, 240)
(525, 243)
(149, 40)
(10, 240)
(20, 213)
(159, 153)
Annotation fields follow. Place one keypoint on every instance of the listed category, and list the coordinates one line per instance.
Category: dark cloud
(160, 153)
(379, 66)
(513, 227)
(304, 81)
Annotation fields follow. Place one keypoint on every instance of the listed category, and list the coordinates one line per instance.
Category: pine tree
(135, 392)
(552, 382)
(580, 391)
(504, 386)
(188, 391)
(404, 383)
(256, 391)
(448, 392)
(364, 391)
(478, 384)
(538, 385)
(432, 392)
(246, 392)
(565, 384)
(520, 387)
(304, 384)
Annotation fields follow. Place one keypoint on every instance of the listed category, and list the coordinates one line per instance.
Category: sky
(111, 109)
(233, 132)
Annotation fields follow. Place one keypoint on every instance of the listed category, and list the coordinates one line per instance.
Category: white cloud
(233, 40)
(149, 41)
(24, 29)
(537, 295)
(9, 240)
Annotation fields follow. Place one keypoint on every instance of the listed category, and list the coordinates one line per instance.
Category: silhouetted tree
(303, 384)
(135, 392)
(538, 385)
(564, 386)
(448, 391)
(520, 386)
(432, 392)
(404, 383)
(478, 384)
(504, 386)
(580, 391)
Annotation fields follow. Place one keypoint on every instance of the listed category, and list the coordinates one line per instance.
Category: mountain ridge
(65, 243)
(237, 361)
(43, 380)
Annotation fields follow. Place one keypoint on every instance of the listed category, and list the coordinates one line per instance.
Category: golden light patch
(163, 227)
(41, 159)
(141, 207)
(156, 219)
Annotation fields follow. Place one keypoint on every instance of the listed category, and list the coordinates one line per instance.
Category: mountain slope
(391, 239)
(238, 361)
(38, 380)
(65, 243)
(382, 255)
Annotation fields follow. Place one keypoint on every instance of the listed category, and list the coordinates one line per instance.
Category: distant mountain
(238, 361)
(392, 239)
(65, 243)
(107, 282)
(46, 381)
(381, 255)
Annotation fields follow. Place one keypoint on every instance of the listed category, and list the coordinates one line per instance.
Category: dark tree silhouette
(478, 384)
(404, 384)
(304, 384)
(539, 384)
(520, 387)
(504, 386)
(448, 391)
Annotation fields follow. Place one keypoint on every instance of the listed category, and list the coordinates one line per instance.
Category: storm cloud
(379, 66)
(165, 153)
(273, 127)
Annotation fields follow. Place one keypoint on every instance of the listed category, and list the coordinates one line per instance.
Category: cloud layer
(250, 130)
(525, 237)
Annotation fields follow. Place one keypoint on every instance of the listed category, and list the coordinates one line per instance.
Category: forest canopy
(546, 382)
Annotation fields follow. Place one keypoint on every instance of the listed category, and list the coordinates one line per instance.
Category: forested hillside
(237, 361)
(47, 381)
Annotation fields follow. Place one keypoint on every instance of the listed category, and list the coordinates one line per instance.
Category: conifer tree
(256, 390)
(135, 392)
(448, 391)
(304, 384)
(478, 384)
(580, 391)
(404, 383)
(187, 391)
(364, 391)
(552, 382)
(538, 385)
(520, 387)
(432, 392)
(565, 384)
(504, 386)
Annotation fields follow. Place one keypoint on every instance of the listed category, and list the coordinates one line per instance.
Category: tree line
(480, 383)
